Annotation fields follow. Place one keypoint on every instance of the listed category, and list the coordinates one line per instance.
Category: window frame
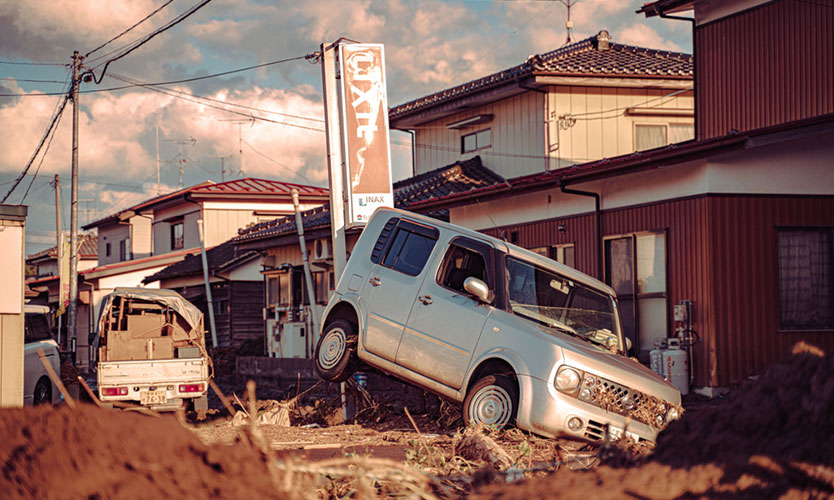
(783, 328)
(476, 135)
(483, 249)
(411, 227)
(665, 127)
(177, 243)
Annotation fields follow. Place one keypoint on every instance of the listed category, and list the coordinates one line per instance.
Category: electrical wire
(123, 33)
(19, 63)
(31, 81)
(138, 43)
(55, 119)
(247, 115)
(297, 174)
(138, 82)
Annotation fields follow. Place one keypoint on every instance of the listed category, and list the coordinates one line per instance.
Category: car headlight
(567, 379)
(672, 414)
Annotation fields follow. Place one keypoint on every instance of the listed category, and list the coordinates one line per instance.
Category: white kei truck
(151, 350)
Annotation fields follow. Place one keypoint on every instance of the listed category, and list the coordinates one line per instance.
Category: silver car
(515, 337)
(37, 386)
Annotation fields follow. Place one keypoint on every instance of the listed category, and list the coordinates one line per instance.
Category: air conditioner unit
(321, 249)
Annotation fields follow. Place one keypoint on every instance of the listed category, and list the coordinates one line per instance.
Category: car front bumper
(546, 411)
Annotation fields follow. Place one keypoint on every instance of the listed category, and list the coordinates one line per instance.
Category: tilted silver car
(516, 337)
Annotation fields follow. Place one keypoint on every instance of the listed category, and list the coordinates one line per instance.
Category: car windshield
(561, 303)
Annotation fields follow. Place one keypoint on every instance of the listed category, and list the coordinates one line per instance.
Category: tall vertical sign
(367, 150)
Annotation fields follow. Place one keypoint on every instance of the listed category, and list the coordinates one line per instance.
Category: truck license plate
(153, 397)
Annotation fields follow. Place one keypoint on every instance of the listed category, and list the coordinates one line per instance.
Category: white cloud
(641, 35)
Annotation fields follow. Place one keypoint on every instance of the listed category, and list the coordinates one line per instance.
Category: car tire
(336, 351)
(493, 400)
(43, 392)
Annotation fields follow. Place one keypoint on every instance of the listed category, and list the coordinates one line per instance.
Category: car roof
(35, 309)
(508, 248)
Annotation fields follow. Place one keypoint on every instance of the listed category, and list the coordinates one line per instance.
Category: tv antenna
(181, 161)
(568, 23)
(240, 122)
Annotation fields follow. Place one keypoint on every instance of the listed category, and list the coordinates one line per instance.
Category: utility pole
(60, 237)
(73, 278)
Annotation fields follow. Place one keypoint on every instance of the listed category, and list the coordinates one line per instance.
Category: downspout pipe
(694, 63)
(598, 215)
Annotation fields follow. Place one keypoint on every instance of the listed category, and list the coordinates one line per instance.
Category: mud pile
(50, 452)
(771, 438)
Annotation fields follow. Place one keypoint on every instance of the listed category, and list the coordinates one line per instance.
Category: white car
(37, 386)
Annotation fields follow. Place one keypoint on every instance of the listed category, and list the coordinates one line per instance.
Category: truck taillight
(191, 387)
(114, 391)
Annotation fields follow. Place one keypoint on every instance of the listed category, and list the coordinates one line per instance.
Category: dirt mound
(771, 438)
(90, 453)
(786, 413)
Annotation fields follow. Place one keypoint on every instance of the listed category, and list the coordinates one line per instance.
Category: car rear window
(36, 327)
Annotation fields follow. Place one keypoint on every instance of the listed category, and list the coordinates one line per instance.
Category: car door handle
(375, 281)
(425, 299)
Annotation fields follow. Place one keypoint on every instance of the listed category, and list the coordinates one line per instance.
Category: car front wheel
(43, 392)
(493, 400)
(336, 351)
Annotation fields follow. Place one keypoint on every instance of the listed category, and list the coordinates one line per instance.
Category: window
(124, 250)
(36, 327)
(649, 137)
(177, 236)
(410, 248)
(107, 249)
(278, 290)
(806, 279)
(635, 267)
(220, 307)
(321, 283)
(476, 140)
(563, 254)
(559, 302)
(461, 263)
(680, 132)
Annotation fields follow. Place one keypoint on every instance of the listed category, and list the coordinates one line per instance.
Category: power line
(129, 29)
(140, 83)
(112, 89)
(135, 45)
(20, 63)
(298, 174)
(31, 81)
(55, 119)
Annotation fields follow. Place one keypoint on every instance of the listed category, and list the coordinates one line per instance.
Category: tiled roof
(458, 177)
(220, 257)
(243, 187)
(586, 57)
(259, 186)
(88, 248)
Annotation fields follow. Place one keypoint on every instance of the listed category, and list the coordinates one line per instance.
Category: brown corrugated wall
(766, 66)
(721, 253)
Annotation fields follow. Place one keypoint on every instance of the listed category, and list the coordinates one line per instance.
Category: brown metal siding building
(722, 255)
(764, 66)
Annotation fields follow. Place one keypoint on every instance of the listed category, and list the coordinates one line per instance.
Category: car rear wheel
(493, 400)
(43, 392)
(336, 351)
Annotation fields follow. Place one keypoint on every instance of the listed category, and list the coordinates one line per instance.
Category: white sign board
(365, 131)
(11, 255)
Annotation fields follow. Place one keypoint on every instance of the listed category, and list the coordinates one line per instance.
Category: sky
(265, 122)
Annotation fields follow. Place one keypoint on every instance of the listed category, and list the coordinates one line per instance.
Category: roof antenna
(502, 232)
(568, 23)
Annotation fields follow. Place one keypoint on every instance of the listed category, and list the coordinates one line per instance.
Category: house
(587, 100)
(45, 282)
(148, 237)
(736, 226)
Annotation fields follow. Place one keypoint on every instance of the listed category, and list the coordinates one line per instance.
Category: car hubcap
(491, 405)
(40, 396)
(332, 349)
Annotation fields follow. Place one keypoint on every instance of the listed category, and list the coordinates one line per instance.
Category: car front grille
(622, 400)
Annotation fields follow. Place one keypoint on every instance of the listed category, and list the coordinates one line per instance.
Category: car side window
(461, 263)
(410, 248)
(36, 327)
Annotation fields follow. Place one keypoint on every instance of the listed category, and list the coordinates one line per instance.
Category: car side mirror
(628, 344)
(479, 289)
